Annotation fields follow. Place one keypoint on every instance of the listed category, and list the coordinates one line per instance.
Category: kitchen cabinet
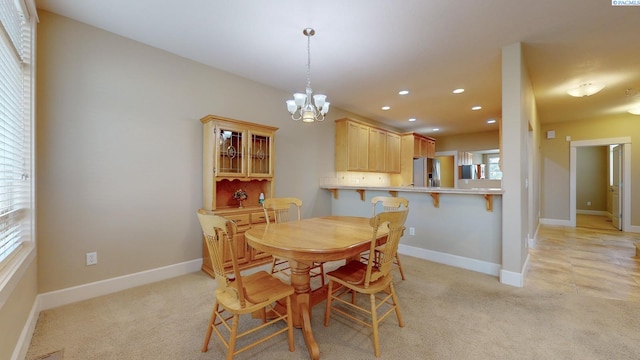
(362, 147)
(392, 163)
(377, 149)
(237, 155)
(423, 147)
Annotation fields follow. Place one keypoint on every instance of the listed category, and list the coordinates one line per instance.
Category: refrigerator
(468, 172)
(434, 176)
(426, 172)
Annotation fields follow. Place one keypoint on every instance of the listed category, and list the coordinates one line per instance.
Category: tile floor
(592, 259)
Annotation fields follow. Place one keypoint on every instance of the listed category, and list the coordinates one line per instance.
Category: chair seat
(352, 275)
(261, 288)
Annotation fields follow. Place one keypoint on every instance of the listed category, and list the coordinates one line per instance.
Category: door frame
(625, 142)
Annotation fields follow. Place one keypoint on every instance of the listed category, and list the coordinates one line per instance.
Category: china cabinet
(237, 157)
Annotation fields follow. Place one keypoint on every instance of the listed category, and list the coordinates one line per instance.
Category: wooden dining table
(303, 242)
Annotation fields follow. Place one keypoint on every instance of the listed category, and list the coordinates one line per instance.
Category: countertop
(418, 189)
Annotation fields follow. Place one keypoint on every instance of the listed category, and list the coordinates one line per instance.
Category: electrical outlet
(412, 231)
(92, 258)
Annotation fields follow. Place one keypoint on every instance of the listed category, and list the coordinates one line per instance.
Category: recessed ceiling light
(412, 119)
(385, 108)
(403, 92)
(477, 107)
(458, 91)
(436, 129)
(491, 121)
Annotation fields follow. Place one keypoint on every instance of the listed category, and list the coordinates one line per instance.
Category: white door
(616, 187)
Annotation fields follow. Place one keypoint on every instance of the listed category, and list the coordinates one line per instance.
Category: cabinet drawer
(241, 220)
(258, 218)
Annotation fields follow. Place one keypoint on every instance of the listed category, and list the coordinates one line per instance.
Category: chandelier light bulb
(301, 107)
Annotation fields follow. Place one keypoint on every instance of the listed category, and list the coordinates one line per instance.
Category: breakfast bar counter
(455, 226)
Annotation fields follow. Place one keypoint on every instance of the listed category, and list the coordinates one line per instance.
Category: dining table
(303, 242)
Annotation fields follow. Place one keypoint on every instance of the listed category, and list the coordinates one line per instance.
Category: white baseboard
(556, 222)
(22, 347)
(592, 212)
(634, 229)
(514, 278)
(511, 278)
(453, 260)
(87, 291)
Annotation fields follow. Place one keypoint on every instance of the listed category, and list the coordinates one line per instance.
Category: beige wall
(485, 140)
(592, 178)
(119, 151)
(519, 147)
(555, 160)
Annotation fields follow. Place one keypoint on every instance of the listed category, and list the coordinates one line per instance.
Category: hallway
(593, 259)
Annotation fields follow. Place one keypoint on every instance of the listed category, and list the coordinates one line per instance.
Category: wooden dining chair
(281, 210)
(256, 293)
(388, 203)
(373, 278)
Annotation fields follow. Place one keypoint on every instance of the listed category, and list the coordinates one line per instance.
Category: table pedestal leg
(301, 282)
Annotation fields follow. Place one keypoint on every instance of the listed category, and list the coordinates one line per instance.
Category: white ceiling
(365, 51)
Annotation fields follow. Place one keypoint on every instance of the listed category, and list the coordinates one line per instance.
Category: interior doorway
(624, 175)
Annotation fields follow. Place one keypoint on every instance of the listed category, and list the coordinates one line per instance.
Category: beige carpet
(449, 313)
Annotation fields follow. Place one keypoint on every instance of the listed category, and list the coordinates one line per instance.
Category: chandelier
(301, 106)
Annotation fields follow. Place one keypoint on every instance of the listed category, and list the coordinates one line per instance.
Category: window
(16, 113)
(493, 161)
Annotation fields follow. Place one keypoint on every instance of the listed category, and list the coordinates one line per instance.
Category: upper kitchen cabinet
(423, 146)
(392, 164)
(362, 147)
(236, 155)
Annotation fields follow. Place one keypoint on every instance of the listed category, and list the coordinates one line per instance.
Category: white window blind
(15, 129)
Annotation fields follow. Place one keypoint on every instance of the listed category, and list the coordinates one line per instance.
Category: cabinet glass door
(260, 152)
(230, 154)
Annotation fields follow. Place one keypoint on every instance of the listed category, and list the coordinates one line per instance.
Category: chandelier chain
(309, 60)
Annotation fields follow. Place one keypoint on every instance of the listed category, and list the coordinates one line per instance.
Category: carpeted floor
(449, 313)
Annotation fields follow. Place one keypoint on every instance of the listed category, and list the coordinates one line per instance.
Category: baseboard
(87, 291)
(448, 259)
(514, 278)
(556, 222)
(592, 212)
(533, 241)
(511, 278)
(634, 229)
(22, 347)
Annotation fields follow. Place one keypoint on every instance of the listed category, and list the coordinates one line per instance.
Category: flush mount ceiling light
(403, 92)
(458, 91)
(586, 89)
(385, 108)
(301, 107)
(412, 119)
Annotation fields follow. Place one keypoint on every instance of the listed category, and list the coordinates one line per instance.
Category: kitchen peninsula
(458, 227)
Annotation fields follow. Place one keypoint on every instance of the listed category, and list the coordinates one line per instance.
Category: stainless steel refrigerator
(434, 175)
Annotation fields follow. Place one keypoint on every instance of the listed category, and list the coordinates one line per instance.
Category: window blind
(15, 130)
